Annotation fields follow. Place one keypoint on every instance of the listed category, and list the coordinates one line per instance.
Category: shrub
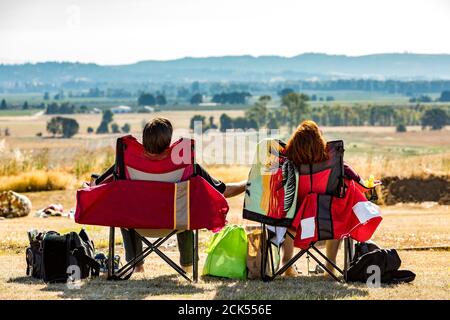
(115, 128)
(126, 128)
(66, 126)
(38, 180)
(401, 128)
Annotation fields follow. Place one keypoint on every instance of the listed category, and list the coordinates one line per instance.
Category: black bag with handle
(368, 254)
(50, 255)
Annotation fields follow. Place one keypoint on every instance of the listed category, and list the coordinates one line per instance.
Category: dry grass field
(31, 163)
(404, 226)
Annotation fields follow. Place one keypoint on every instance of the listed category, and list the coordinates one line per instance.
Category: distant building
(121, 109)
(149, 109)
(207, 104)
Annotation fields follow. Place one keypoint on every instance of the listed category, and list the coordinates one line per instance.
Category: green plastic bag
(227, 254)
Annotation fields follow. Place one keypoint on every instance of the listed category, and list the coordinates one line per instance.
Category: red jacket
(324, 217)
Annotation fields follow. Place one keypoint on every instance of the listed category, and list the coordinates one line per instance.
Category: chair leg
(175, 266)
(348, 255)
(264, 253)
(289, 263)
(328, 260)
(330, 272)
(196, 257)
(111, 252)
(126, 271)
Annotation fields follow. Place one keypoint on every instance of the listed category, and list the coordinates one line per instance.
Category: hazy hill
(403, 66)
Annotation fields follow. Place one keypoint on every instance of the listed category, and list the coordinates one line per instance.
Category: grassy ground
(404, 226)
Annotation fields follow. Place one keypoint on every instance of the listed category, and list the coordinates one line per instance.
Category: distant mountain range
(398, 66)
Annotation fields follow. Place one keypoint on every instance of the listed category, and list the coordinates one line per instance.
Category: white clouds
(127, 31)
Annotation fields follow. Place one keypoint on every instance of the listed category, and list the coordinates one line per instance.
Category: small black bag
(369, 254)
(34, 256)
(50, 255)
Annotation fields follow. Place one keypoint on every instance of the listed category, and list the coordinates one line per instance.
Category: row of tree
(91, 93)
(108, 123)
(62, 108)
(68, 127)
(391, 86)
(444, 97)
(148, 99)
(25, 106)
(235, 97)
(295, 108)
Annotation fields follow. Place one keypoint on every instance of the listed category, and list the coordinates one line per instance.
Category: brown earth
(416, 189)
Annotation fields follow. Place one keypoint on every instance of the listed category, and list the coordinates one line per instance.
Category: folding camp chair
(279, 208)
(159, 194)
(267, 258)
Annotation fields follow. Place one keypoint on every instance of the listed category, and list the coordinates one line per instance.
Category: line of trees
(444, 97)
(108, 123)
(62, 108)
(409, 88)
(4, 105)
(148, 99)
(295, 108)
(234, 97)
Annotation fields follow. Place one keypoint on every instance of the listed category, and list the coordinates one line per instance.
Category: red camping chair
(323, 182)
(155, 198)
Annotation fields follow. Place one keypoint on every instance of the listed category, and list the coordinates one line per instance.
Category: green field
(341, 97)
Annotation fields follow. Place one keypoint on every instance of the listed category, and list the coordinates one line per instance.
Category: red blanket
(187, 205)
(324, 217)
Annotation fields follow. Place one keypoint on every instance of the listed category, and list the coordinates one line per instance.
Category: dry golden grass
(404, 226)
(160, 282)
(385, 165)
(38, 180)
(371, 150)
(29, 126)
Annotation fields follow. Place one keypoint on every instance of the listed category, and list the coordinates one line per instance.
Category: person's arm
(235, 188)
(227, 189)
(350, 173)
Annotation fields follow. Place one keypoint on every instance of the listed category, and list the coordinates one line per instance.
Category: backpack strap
(79, 252)
(84, 258)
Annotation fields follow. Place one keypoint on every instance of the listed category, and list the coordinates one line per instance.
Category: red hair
(307, 145)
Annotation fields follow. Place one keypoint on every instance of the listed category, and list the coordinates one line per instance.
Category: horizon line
(4, 61)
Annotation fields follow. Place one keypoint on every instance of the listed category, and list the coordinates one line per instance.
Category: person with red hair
(307, 145)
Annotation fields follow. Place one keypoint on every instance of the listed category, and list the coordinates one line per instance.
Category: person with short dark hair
(157, 135)
(156, 139)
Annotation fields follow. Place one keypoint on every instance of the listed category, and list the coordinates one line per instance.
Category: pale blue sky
(115, 32)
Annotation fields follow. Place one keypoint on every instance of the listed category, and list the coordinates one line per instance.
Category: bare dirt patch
(416, 189)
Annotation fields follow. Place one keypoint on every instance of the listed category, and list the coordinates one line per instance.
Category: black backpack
(368, 254)
(50, 254)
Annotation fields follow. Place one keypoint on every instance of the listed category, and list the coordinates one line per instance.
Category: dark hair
(157, 135)
(307, 145)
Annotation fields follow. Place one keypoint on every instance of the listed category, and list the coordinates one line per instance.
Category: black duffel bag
(50, 255)
(387, 260)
